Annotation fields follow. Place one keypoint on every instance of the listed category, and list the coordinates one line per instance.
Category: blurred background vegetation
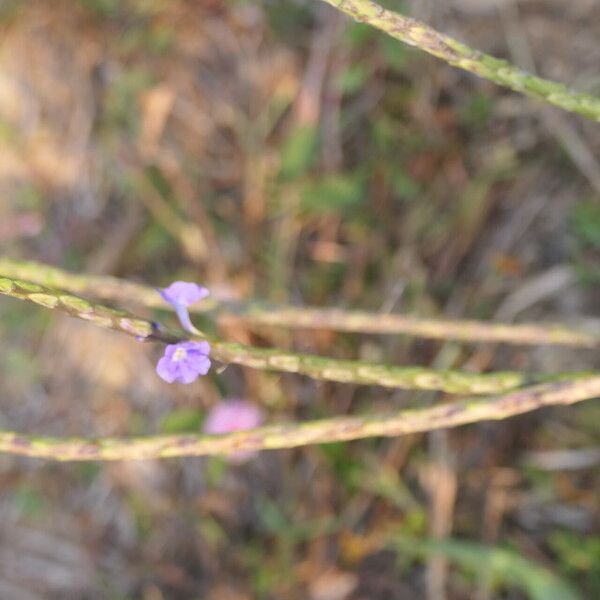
(273, 149)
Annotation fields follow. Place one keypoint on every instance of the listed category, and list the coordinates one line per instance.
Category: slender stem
(358, 372)
(465, 330)
(111, 288)
(291, 435)
(429, 40)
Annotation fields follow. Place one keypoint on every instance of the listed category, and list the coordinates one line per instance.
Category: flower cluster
(186, 361)
(234, 415)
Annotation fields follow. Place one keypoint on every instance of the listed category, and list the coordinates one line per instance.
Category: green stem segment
(252, 314)
(455, 53)
(291, 435)
(465, 330)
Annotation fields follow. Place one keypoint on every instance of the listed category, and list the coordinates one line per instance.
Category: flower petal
(170, 351)
(203, 365)
(183, 293)
(184, 318)
(236, 415)
(166, 369)
(187, 374)
(202, 348)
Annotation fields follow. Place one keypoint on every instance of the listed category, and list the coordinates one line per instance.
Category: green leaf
(352, 79)
(585, 221)
(333, 192)
(394, 54)
(358, 34)
(477, 111)
(298, 152)
(403, 184)
(102, 8)
(504, 566)
(182, 420)
(153, 242)
(579, 552)
(29, 501)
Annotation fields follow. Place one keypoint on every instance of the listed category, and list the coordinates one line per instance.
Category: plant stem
(254, 314)
(291, 435)
(415, 33)
(465, 330)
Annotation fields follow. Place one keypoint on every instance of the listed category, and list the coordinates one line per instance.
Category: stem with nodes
(291, 435)
(455, 53)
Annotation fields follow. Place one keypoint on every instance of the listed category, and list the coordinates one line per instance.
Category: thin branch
(455, 53)
(464, 330)
(291, 435)
(253, 314)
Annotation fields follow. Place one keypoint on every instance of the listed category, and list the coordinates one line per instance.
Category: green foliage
(403, 184)
(9, 9)
(182, 420)
(323, 281)
(395, 55)
(386, 483)
(298, 152)
(396, 5)
(385, 138)
(29, 501)
(122, 110)
(112, 8)
(155, 39)
(334, 193)
(87, 473)
(585, 222)
(347, 469)
(504, 567)
(212, 532)
(8, 132)
(12, 317)
(30, 197)
(290, 530)
(588, 271)
(154, 241)
(579, 556)
(102, 8)
(289, 20)
(476, 113)
(358, 34)
(215, 469)
(353, 78)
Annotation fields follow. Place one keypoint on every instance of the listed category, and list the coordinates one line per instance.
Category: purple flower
(234, 415)
(180, 295)
(184, 362)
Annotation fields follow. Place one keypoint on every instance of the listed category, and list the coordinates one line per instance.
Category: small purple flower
(184, 362)
(234, 415)
(180, 295)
